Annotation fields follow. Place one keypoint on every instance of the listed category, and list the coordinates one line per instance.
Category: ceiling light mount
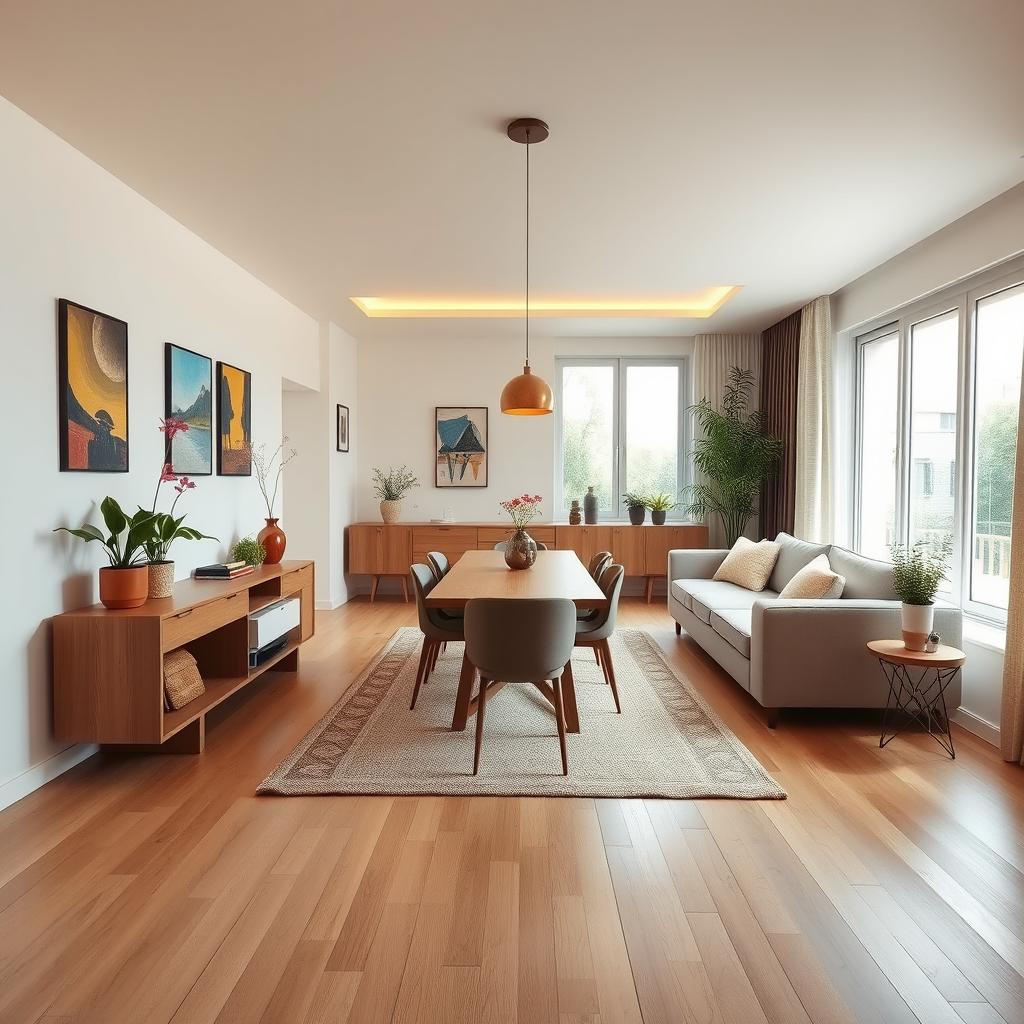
(527, 130)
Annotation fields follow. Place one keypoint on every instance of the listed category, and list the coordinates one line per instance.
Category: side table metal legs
(921, 700)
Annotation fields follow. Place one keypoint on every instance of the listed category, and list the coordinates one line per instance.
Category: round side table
(917, 688)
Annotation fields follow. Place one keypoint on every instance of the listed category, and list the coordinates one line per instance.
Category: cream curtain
(813, 520)
(1011, 727)
(714, 355)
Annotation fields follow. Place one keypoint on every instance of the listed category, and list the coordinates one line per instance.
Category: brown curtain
(779, 361)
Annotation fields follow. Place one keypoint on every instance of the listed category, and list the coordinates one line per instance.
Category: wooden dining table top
(485, 574)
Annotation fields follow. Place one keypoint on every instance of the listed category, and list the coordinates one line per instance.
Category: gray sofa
(797, 653)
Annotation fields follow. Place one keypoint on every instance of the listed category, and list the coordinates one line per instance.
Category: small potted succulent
(660, 505)
(250, 551)
(917, 571)
(391, 487)
(636, 506)
(125, 582)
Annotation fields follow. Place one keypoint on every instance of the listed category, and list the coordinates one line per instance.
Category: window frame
(962, 297)
(620, 366)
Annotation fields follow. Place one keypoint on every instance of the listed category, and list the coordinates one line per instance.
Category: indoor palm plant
(733, 455)
(636, 506)
(917, 571)
(391, 487)
(660, 505)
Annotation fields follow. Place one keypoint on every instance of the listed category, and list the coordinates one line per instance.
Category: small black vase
(658, 516)
(637, 514)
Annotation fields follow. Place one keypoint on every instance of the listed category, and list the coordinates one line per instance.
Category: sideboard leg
(374, 583)
(650, 588)
(679, 629)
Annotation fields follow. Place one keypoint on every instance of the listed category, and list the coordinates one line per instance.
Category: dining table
(555, 574)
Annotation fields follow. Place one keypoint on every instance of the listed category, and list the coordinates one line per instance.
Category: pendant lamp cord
(527, 246)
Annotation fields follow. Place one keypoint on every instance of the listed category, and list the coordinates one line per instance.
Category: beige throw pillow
(815, 581)
(749, 565)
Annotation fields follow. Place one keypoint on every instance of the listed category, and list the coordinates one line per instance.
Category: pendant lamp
(527, 394)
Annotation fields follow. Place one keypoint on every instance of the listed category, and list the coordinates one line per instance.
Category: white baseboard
(979, 726)
(328, 606)
(39, 774)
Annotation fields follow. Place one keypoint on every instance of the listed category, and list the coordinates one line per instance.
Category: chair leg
(597, 656)
(481, 703)
(434, 651)
(679, 629)
(604, 662)
(420, 673)
(556, 685)
(606, 654)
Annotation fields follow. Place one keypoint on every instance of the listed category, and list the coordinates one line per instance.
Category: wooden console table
(378, 550)
(108, 665)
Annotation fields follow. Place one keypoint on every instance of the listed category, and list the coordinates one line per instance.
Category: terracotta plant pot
(161, 579)
(390, 511)
(124, 588)
(273, 539)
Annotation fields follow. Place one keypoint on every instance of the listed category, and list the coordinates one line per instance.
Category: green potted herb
(391, 487)
(917, 571)
(250, 551)
(660, 505)
(636, 506)
(125, 582)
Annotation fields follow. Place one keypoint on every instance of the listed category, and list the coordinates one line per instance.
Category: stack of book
(222, 571)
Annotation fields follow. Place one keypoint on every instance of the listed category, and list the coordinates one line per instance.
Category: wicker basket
(182, 681)
(161, 579)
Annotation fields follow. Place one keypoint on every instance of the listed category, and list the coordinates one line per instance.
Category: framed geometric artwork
(188, 396)
(342, 441)
(92, 389)
(234, 420)
(460, 446)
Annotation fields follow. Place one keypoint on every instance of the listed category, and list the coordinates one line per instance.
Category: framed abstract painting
(343, 434)
(460, 446)
(234, 421)
(188, 396)
(92, 388)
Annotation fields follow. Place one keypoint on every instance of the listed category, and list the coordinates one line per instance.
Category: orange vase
(124, 588)
(273, 540)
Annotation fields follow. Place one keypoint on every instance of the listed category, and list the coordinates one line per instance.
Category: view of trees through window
(588, 433)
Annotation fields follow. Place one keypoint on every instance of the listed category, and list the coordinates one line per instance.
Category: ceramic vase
(390, 511)
(124, 588)
(520, 550)
(161, 579)
(590, 507)
(917, 624)
(575, 518)
(274, 541)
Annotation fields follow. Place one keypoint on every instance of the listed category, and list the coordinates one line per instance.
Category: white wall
(69, 229)
(986, 236)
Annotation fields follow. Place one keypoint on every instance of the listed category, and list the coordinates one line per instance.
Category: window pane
(878, 417)
(588, 410)
(999, 350)
(652, 430)
(933, 401)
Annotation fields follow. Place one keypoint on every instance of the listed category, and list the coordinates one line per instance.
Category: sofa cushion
(705, 596)
(794, 554)
(866, 578)
(814, 582)
(733, 626)
(749, 565)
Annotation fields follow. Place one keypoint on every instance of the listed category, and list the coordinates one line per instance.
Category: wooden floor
(888, 888)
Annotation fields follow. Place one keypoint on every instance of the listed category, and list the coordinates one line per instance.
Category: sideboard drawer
(202, 618)
(453, 541)
(293, 582)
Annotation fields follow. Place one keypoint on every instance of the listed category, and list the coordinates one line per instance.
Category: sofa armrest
(694, 563)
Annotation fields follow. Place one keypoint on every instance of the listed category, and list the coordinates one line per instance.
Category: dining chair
(439, 563)
(596, 631)
(598, 564)
(511, 640)
(436, 631)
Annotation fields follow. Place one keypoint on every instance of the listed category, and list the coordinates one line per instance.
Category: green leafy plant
(661, 503)
(918, 569)
(166, 530)
(250, 551)
(734, 454)
(395, 484)
(631, 500)
(127, 537)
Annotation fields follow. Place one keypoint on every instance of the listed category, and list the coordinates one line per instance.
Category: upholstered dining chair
(598, 564)
(438, 562)
(510, 640)
(437, 631)
(500, 546)
(596, 631)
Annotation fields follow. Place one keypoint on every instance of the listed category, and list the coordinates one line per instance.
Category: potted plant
(917, 571)
(272, 537)
(250, 551)
(391, 487)
(521, 548)
(636, 506)
(125, 582)
(660, 505)
(733, 456)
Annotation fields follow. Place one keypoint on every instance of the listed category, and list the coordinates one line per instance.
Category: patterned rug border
(640, 643)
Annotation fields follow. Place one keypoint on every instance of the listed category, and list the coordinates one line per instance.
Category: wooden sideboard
(378, 550)
(108, 665)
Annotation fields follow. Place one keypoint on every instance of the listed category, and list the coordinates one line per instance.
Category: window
(938, 394)
(621, 427)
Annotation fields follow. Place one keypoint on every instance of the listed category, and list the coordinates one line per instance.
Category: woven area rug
(666, 743)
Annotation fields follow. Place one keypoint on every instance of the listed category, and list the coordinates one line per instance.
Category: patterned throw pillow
(749, 565)
(815, 581)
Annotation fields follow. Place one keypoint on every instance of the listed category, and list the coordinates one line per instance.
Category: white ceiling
(338, 149)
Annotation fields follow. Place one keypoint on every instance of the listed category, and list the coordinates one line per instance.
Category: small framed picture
(343, 434)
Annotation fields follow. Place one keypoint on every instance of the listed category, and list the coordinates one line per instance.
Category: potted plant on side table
(125, 582)
(917, 571)
(391, 487)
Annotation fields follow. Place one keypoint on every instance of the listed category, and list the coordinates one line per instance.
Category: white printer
(269, 628)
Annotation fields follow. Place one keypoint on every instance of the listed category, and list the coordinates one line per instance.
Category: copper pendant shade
(527, 394)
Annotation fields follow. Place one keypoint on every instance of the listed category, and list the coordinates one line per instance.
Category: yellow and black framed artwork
(234, 421)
